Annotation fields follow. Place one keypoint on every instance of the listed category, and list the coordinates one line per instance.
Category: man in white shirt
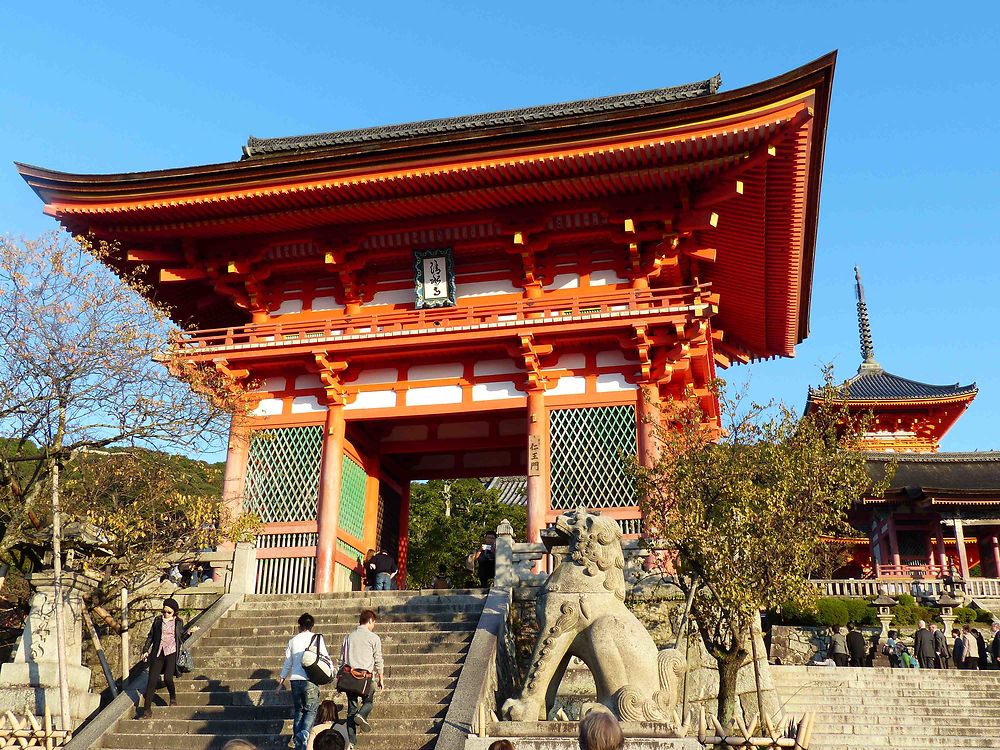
(305, 693)
(362, 652)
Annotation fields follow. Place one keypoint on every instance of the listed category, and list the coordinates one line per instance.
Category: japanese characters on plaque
(435, 277)
(534, 455)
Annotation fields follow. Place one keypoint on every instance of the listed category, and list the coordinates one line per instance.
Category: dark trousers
(943, 662)
(839, 659)
(161, 665)
(925, 662)
(972, 662)
(357, 704)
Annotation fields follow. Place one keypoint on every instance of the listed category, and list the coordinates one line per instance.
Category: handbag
(318, 667)
(353, 681)
(185, 661)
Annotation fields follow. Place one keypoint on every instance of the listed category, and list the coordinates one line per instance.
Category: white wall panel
(306, 405)
(495, 391)
(435, 395)
(613, 381)
(436, 372)
(373, 400)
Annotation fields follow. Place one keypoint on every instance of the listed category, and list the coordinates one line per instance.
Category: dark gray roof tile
(262, 146)
(875, 384)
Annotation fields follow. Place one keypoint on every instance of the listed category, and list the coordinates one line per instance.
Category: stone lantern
(947, 603)
(884, 604)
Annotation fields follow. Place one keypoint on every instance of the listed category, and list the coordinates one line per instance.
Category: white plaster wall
(486, 460)
(513, 426)
(434, 395)
(371, 377)
(564, 281)
(408, 432)
(289, 306)
(268, 407)
(307, 382)
(453, 430)
(605, 276)
(326, 303)
(614, 358)
(436, 462)
(273, 385)
(306, 405)
(393, 297)
(573, 361)
(495, 391)
(373, 400)
(485, 288)
(571, 385)
(436, 372)
(610, 382)
(496, 367)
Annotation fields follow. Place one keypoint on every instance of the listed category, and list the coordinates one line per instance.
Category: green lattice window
(282, 480)
(353, 484)
(585, 449)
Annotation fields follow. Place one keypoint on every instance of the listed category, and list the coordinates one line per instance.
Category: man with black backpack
(305, 693)
(360, 667)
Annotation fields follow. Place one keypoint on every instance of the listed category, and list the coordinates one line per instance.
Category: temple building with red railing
(507, 294)
(940, 516)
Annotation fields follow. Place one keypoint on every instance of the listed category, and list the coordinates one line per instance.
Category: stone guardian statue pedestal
(31, 681)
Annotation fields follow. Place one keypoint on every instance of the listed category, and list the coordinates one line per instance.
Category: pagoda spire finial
(864, 325)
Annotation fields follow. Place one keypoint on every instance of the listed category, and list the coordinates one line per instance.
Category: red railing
(911, 570)
(619, 303)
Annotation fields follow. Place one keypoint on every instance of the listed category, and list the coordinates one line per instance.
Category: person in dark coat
(984, 653)
(923, 646)
(995, 645)
(941, 650)
(958, 650)
(161, 648)
(856, 646)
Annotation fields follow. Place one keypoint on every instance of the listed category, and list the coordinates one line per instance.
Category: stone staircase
(231, 693)
(865, 709)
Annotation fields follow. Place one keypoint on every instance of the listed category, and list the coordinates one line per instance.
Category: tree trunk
(729, 668)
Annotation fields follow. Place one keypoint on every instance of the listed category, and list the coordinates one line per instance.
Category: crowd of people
(932, 648)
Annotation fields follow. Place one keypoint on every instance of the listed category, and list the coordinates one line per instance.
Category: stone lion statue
(581, 612)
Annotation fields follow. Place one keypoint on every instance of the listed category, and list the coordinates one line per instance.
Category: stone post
(244, 580)
(884, 604)
(505, 576)
(30, 683)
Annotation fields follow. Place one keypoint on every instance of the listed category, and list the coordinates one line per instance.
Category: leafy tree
(745, 508)
(85, 367)
(441, 538)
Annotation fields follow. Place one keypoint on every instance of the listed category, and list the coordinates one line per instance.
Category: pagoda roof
(257, 147)
(940, 478)
(875, 385)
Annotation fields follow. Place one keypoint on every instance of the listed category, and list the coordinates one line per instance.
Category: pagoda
(941, 512)
(505, 294)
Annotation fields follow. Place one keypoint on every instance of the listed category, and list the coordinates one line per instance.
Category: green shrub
(860, 612)
(965, 615)
(984, 615)
(905, 600)
(831, 611)
(793, 614)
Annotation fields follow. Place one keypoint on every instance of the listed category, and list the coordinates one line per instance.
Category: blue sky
(910, 186)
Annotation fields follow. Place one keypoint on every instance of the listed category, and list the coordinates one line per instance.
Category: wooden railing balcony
(618, 304)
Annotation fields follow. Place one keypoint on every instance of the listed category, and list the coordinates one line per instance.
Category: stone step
(280, 638)
(271, 682)
(223, 696)
(439, 658)
(275, 648)
(350, 619)
(862, 742)
(869, 704)
(383, 629)
(212, 741)
(280, 712)
(884, 691)
(366, 599)
(944, 715)
(392, 670)
(164, 725)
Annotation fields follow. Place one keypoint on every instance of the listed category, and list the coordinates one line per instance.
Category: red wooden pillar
(328, 510)
(893, 542)
(995, 546)
(648, 419)
(942, 555)
(404, 532)
(963, 559)
(538, 475)
(235, 479)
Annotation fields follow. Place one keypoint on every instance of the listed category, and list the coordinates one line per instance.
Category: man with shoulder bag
(305, 692)
(359, 670)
